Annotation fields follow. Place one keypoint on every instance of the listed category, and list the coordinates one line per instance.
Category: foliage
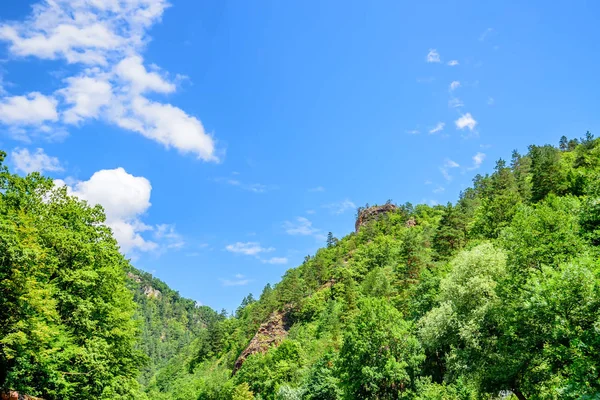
(66, 326)
(494, 295)
(380, 357)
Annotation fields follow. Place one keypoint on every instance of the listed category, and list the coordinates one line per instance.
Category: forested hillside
(494, 296)
(168, 321)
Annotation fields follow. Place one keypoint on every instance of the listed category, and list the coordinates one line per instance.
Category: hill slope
(497, 293)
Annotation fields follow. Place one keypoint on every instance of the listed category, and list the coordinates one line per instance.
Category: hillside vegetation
(494, 296)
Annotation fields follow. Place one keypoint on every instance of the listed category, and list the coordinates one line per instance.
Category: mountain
(168, 321)
(494, 296)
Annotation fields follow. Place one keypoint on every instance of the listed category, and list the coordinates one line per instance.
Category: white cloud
(248, 248)
(87, 97)
(439, 189)
(33, 109)
(477, 161)
(133, 72)
(455, 103)
(446, 167)
(239, 280)
(454, 85)
(48, 37)
(276, 260)
(341, 206)
(448, 163)
(38, 161)
(302, 226)
(453, 63)
(413, 132)
(433, 56)
(466, 121)
(437, 128)
(104, 40)
(168, 125)
(310, 212)
(490, 101)
(125, 198)
(168, 234)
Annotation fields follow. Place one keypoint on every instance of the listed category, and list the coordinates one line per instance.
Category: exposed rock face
(134, 277)
(270, 333)
(12, 395)
(372, 213)
(149, 291)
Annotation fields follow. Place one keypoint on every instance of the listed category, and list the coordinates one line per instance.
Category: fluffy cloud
(437, 128)
(104, 39)
(125, 199)
(454, 85)
(248, 248)
(86, 96)
(453, 63)
(168, 125)
(33, 109)
(38, 161)
(466, 121)
(433, 56)
(133, 73)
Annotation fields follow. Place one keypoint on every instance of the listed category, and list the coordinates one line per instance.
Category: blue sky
(225, 139)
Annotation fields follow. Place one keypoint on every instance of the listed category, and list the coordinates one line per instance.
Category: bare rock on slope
(270, 333)
(369, 214)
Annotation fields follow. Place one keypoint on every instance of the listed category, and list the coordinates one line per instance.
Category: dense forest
(494, 296)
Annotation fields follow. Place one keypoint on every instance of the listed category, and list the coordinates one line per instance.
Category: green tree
(500, 198)
(321, 383)
(380, 357)
(547, 175)
(66, 326)
(450, 235)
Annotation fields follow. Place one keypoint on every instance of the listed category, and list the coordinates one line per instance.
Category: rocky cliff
(371, 213)
(270, 333)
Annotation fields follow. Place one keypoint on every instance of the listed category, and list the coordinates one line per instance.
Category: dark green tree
(380, 358)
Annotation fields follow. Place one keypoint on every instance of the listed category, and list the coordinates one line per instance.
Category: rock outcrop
(134, 277)
(369, 214)
(149, 291)
(270, 333)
